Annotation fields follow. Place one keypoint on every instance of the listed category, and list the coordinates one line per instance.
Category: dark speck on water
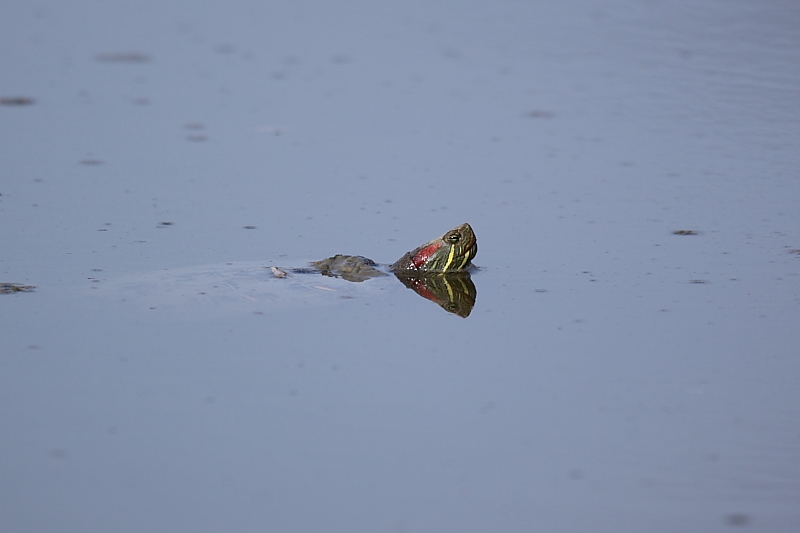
(540, 114)
(124, 57)
(737, 519)
(16, 101)
(685, 232)
(58, 453)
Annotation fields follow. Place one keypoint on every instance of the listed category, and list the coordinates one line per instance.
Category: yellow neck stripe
(449, 258)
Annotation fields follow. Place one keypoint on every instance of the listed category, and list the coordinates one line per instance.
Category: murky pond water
(630, 359)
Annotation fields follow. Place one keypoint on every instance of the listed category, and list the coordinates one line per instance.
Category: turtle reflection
(455, 293)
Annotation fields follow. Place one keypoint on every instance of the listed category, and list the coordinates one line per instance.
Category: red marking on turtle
(423, 255)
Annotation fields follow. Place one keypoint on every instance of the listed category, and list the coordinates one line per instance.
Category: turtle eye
(453, 238)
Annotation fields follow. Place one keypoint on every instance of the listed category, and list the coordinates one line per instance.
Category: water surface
(612, 376)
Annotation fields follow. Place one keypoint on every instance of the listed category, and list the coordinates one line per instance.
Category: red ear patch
(423, 255)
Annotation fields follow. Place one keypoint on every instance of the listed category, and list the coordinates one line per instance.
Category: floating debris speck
(11, 288)
(278, 273)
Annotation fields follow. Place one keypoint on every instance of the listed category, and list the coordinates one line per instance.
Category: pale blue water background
(594, 387)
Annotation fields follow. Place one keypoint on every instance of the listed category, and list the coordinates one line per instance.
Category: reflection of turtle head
(454, 292)
(452, 252)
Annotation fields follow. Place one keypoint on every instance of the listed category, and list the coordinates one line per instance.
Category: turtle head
(452, 252)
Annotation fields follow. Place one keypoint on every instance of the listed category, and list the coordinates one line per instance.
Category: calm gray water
(612, 377)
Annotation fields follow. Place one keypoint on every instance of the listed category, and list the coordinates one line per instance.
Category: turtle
(438, 270)
(452, 252)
